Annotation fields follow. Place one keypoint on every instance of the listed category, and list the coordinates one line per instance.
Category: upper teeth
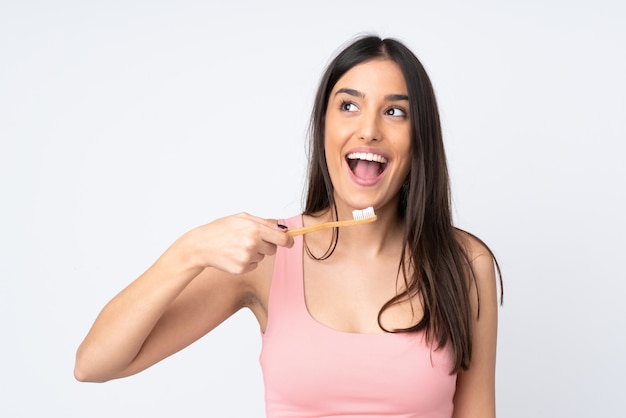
(368, 156)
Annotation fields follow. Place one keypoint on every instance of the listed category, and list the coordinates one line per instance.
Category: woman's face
(368, 135)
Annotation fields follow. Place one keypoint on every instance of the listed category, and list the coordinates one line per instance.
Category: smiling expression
(368, 135)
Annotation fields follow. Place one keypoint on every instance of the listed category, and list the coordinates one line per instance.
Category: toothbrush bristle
(363, 214)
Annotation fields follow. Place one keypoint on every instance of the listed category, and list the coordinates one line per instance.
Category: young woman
(394, 318)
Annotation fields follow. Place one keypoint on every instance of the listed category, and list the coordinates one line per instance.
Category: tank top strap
(285, 306)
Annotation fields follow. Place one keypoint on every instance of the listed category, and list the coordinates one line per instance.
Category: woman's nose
(369, 129)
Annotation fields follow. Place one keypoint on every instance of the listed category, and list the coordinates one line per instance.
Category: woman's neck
(368, 240)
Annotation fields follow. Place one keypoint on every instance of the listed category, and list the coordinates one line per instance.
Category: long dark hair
(433, 262)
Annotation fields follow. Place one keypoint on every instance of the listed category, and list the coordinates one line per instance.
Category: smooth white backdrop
(125, 123)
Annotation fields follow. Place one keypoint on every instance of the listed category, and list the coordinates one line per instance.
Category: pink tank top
(311, 370)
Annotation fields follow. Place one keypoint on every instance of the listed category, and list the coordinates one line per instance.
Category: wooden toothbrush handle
(319, 227)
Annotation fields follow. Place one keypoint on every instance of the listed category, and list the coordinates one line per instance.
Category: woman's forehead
(379, 76)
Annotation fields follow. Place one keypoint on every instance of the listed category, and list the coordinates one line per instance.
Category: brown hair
(438, 268)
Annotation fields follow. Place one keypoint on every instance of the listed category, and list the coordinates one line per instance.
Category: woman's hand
(235, 244)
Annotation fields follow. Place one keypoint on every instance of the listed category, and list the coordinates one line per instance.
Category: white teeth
(368, 156)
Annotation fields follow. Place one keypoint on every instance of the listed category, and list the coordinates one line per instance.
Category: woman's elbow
(84, 370)
(82, 373)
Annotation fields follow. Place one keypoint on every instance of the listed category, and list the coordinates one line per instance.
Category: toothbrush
(359, 217)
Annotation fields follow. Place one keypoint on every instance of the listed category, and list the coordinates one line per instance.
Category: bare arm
(202, 279)
(475, 390)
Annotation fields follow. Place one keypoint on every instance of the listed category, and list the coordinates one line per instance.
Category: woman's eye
(349, 107)
(396, 111)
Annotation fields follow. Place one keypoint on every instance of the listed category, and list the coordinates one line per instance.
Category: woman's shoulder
(472, 245)
(481, 258)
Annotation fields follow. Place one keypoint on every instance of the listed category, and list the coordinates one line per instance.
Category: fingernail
(282, 226)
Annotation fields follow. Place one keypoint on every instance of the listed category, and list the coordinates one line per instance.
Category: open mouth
(366, 165)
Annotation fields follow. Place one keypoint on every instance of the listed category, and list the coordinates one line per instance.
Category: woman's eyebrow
(396, 97)
(351, 92)
(356, 93)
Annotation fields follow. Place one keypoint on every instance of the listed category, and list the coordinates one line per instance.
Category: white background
(125, 123)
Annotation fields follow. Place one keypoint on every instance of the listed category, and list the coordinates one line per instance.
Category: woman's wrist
(182, 258)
